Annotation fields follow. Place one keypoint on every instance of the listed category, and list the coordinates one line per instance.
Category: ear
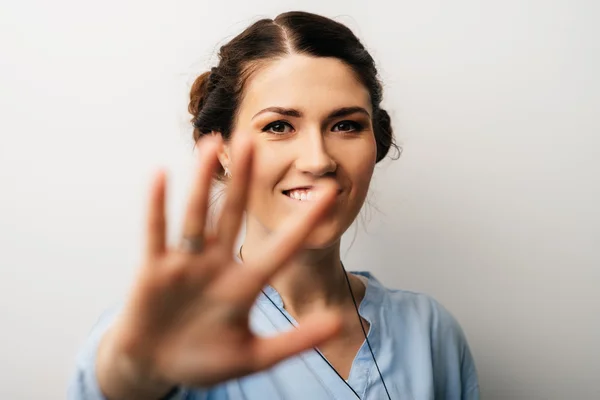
(224, 154)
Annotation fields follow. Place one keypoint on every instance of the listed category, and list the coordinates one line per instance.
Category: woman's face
(310, 119)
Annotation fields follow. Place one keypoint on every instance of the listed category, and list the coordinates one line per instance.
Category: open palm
(186, 321)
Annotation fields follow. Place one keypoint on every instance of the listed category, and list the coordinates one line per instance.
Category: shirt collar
(368, 308)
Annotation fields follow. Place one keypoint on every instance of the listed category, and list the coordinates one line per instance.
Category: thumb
(311, 332)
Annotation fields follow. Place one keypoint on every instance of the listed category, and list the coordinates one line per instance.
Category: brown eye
(347, 126)
(278, 128)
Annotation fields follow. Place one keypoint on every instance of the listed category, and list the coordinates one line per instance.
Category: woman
(290, 120)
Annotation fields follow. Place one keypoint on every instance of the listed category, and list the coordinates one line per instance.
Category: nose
(313, 157)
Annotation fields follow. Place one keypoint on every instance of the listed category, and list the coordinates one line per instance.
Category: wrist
(120, 378)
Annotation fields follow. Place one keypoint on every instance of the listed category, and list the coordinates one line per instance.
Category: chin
(324, 236)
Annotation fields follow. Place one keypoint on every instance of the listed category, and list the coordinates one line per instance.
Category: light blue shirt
(420, 349)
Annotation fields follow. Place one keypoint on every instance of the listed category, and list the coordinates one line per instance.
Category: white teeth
(302, 195)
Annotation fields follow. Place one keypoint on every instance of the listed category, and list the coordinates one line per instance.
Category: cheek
(360, 166)
(364, 173)
(361, 181)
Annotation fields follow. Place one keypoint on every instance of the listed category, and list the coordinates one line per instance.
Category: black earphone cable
(365, 332)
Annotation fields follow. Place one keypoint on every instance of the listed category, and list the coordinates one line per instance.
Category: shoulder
(427, 310)
(427, 315)
(432, 332)
(414, 308)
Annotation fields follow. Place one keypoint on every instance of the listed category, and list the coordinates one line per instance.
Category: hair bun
(383, 133)
(198, 94)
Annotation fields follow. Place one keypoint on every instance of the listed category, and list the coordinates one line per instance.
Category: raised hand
(186, 320)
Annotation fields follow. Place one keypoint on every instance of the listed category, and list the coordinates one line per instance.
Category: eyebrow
(338, 113)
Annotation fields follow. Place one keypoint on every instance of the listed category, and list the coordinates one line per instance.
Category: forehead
(316, 85)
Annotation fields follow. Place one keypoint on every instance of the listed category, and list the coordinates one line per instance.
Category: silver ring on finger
(192, 244)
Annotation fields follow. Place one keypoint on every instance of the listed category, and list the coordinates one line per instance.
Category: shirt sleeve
(470, 382)
(454, 366)
(83, 384)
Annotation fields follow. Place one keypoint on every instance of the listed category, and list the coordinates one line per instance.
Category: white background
(492, 208)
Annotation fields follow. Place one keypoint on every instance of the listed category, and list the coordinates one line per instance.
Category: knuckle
(177, 276)
(177, 269)
(182, 268)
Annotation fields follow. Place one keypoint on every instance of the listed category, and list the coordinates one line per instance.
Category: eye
(347, 126)
(278, 128)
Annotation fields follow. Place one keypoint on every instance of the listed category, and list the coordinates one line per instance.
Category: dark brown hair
(216, 94)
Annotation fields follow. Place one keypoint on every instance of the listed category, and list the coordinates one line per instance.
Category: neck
(313, 280)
